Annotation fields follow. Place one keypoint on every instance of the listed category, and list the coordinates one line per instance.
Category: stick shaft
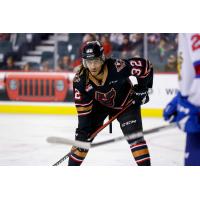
(87, 145)
(110, 121)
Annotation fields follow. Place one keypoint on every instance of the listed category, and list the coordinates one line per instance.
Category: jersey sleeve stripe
(83, 104)
(86, 108)
(196, 63)
(84, 113)
(197, 67)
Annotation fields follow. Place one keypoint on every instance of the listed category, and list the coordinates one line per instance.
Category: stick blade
(58, 140)
(65, 141)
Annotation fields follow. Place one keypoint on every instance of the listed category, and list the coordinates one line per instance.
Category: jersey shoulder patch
(119, 64)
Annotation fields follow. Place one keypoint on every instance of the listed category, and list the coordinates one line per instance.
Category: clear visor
(94, 61)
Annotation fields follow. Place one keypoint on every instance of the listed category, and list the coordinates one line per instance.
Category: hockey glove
(170, 111)
(140, 95)
(188, 117)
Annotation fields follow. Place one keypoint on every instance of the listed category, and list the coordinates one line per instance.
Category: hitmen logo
(106, 99)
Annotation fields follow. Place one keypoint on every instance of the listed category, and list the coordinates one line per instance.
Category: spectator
(136, 38)
(9, 64)
(116, 38)
(88, 38)
(126, 45)
(26, 67)
(171, 64)
(59, 69)
(161, 48)
(137, 42)
(66, 63)
(4, 36)
(45, 66)
(125, 48)
(135, 53)
(105, 41)
(153, 38)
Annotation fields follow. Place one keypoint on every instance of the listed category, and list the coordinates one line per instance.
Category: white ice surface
(23, 142)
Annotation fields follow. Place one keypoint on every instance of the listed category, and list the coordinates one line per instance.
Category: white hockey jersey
(189, 66)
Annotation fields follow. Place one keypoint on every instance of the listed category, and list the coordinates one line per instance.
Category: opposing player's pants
(130, 122)
(192, 150)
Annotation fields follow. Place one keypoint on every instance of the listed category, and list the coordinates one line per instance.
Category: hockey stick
(110, 120)
(62, 159)
(88, 145)
(96, 132)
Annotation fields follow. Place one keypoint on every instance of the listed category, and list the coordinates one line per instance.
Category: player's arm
(138, 67)
(84, 105)
(143, 70)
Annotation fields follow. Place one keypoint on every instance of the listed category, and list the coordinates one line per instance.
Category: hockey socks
(77, 156)
(141, 153)
(138, 148)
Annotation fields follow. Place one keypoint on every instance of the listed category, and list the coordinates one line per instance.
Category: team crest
(106, 99)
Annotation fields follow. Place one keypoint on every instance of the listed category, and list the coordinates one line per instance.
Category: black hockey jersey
(115, 89)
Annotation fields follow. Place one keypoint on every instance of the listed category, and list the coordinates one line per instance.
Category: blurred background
(61, 52)
(41, 66)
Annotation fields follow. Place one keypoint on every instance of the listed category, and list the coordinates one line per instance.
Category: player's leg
(131, 122)
(192, 150)
(78, 155)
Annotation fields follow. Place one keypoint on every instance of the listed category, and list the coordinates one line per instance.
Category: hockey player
(102, 88)
(184, 109)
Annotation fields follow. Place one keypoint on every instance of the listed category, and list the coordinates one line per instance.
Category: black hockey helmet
(92, 50)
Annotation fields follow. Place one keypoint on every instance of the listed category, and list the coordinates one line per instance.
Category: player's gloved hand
(188, 117)
(170, 111)
(140, 95)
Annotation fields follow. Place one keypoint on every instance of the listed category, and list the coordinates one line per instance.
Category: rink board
(57, 109)
(165, 88)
